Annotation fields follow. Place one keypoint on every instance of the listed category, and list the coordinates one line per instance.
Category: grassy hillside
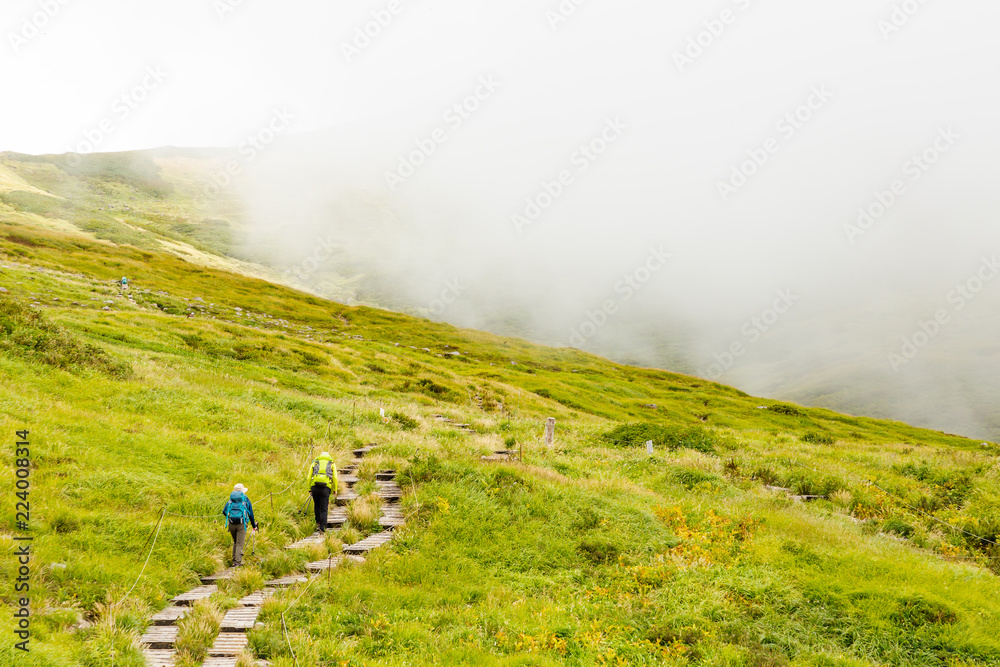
(165, 200)
(593, 552)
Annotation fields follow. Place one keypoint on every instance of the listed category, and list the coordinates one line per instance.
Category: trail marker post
(649, 447)
(550, 431)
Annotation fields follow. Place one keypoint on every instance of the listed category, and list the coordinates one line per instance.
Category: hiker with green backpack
(323, 476)
(239, 512)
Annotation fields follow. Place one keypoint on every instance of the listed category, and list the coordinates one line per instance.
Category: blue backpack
(236, 508)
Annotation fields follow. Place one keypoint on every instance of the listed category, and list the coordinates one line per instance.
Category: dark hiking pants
(321, 504)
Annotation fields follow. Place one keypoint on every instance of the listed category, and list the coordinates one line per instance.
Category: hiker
(323, 474)
(123, 283)
(238, 512)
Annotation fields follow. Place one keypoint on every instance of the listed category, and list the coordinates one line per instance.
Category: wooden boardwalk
(159, 657)
(228, 644)
(160, 639)
(369, 543)
(257, 599)
(170, 615)
(219, 576)
(239, 619)
(195, 594)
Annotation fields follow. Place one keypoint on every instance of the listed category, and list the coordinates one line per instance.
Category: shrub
(599, 550)
(406, 423)
(916, 610)
(26, 334)
(898, 526)
(819, 438)
(672, 437)
(786, 409)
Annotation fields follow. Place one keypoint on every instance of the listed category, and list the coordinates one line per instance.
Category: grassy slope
(586, 554)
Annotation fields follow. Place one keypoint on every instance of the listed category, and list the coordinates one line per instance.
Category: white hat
(242, 489)
(325, 455)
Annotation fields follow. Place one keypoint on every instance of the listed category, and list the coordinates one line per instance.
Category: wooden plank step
(369, 543)
(195, 594)
(391, 522)
(219, 662)
(345, 497)
(239, 619)
(257, 599)
(159, 657)
(330, 563)
(348, 480)
(290, 580)
(360, 453)
(160, 636)
(219, 576)
(385, 476)
(315, 538)
(170, 615)
(228, 644)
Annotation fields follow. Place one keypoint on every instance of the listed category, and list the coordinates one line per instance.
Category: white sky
(658, 184)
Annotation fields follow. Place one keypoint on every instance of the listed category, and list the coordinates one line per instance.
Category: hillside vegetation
(757, 533)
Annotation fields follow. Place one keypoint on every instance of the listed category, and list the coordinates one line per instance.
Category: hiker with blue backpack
(239, 512)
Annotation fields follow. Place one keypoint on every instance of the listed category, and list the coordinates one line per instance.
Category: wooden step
(219, 662)
(159, 657)
(362, 452)
(239, 619)
(391, 522)
(285, 582)
(347, 480)
(385, 476)
(228, 644)
(346, 496)
(257, 599)
(219, 576)
(330, 563)
(369, 543)
(160, 636)
(195, 594)
(170, 615)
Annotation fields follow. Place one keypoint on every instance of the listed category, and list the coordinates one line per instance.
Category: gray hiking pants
(239, 533)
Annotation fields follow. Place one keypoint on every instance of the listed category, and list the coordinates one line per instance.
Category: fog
(771, 194)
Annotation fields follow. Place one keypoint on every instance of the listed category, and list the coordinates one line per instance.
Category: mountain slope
(591, 552)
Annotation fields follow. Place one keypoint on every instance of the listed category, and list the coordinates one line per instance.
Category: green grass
(592, 552)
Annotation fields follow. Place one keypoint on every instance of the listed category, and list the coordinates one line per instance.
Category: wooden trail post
(550, 431)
